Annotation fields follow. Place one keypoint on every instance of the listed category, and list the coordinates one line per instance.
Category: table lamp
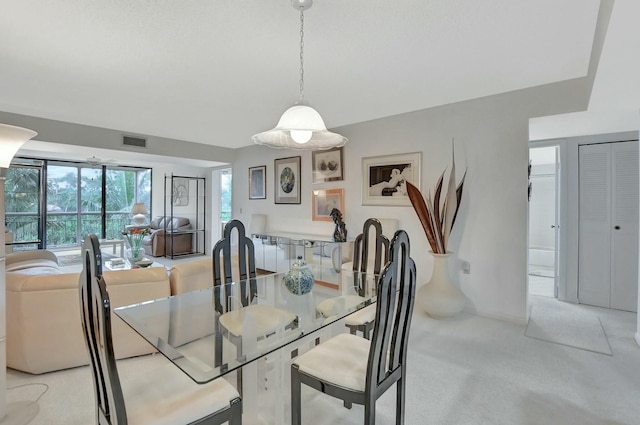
(139, 210)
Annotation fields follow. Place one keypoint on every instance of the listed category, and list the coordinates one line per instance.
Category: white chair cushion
(342, 360)
(360, 317)
(167, 396)
(340, 304)
(267, 319)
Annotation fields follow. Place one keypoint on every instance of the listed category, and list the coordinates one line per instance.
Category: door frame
(561, 216)
(569, 205)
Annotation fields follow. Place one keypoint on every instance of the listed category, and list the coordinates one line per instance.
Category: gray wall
(491, 141)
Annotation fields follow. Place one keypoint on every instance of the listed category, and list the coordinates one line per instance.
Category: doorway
(544, 221)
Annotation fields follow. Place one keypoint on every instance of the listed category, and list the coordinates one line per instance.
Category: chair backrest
(96, 324)
(362, 256)
(246, 263)
(394, 307)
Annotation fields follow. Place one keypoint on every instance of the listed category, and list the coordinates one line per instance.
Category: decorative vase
(134, 255)
(299, 280)
(440, 297)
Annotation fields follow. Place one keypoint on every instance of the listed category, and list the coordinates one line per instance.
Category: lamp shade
(300, 127)
(139, 210)
(11, 139)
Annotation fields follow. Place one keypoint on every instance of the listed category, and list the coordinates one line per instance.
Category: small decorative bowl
(144, 263)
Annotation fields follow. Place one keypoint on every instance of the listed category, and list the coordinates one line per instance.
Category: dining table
(192, 330)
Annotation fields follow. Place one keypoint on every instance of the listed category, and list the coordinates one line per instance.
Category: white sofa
(44, 331)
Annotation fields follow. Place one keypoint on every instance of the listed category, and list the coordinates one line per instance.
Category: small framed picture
(323, 201)
(258, 182)
(287, 180)
(384, 178)
(327, 165)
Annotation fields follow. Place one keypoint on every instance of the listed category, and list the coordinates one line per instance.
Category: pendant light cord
(301, 55)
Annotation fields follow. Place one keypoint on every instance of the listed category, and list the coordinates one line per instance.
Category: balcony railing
(62, 228)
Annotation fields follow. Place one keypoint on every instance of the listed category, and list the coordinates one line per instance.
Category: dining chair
(370, 254)
(165, 395)
(266, 320)
(358, 370)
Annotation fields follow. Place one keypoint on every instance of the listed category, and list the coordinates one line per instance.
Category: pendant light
(301, 126)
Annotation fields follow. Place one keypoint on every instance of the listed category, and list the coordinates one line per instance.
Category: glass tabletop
(209, 333)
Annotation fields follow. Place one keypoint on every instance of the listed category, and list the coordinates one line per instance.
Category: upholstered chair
(358, 370)
(267, 320)
(165, 396)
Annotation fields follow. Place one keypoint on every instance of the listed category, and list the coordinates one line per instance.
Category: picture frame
(180, 191)
(384, 178)
(327, 165)
(323, 201)
(287, 180)
(258, 182)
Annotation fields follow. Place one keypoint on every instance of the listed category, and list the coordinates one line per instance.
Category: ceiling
(218, 71)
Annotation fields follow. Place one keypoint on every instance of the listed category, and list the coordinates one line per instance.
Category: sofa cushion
(157, 223)
(34, 267)
(177, 222)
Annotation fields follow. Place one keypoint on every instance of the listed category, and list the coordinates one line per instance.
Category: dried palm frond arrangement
(437, 218)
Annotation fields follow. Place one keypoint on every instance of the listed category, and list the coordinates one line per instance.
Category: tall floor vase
(440, 297)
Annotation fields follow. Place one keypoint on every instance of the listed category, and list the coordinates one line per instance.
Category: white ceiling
(219, 71)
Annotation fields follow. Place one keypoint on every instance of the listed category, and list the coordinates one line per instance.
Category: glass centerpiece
(134, 237)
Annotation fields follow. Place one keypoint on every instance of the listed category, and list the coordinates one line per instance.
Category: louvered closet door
(624, 237)
(594, 245)
(608, 235)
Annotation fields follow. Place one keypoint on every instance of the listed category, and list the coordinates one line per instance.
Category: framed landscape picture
(323, 201)
(258, 182)
(384, 178)
(327, 165)
(287, 180)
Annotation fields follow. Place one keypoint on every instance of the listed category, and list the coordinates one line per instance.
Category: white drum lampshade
(139, 210)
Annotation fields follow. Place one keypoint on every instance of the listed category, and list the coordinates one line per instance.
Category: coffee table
(123, 264)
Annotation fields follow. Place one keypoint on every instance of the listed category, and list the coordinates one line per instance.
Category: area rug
(564, 323)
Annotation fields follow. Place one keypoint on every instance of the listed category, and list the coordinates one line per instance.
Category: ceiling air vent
(134, 141)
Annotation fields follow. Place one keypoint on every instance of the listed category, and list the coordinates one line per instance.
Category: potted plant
(440, 297)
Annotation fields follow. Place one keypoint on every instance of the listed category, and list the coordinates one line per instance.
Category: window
(225, 197)
(73, 202)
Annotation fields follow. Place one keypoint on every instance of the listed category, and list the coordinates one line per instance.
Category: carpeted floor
(567, 324)
(468, 370)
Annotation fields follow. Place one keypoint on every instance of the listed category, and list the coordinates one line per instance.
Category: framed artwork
(180, 192)
(384, 178)
(258, 182)
(327, 165)
(323, 201)
(287, 180)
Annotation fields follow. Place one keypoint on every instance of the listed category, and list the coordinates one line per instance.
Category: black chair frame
(396, 293)
(361, 261)
(96, 324)
(248, 286)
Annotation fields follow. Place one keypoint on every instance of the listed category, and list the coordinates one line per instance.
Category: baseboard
(638, 338)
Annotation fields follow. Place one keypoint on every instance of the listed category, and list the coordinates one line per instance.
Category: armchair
(157, 240)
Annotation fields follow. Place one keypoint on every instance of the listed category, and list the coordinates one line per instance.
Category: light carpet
(567, 324)
(467, 370)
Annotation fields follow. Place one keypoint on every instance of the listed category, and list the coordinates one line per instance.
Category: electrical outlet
(466, 267)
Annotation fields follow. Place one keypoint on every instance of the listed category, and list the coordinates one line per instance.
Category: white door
(624, 237)
(608, 225)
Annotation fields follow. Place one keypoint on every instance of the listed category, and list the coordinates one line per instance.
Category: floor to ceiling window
(226, 178)
(23, 207)
(77, 199)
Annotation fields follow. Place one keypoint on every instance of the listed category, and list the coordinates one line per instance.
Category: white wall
(491, 139)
